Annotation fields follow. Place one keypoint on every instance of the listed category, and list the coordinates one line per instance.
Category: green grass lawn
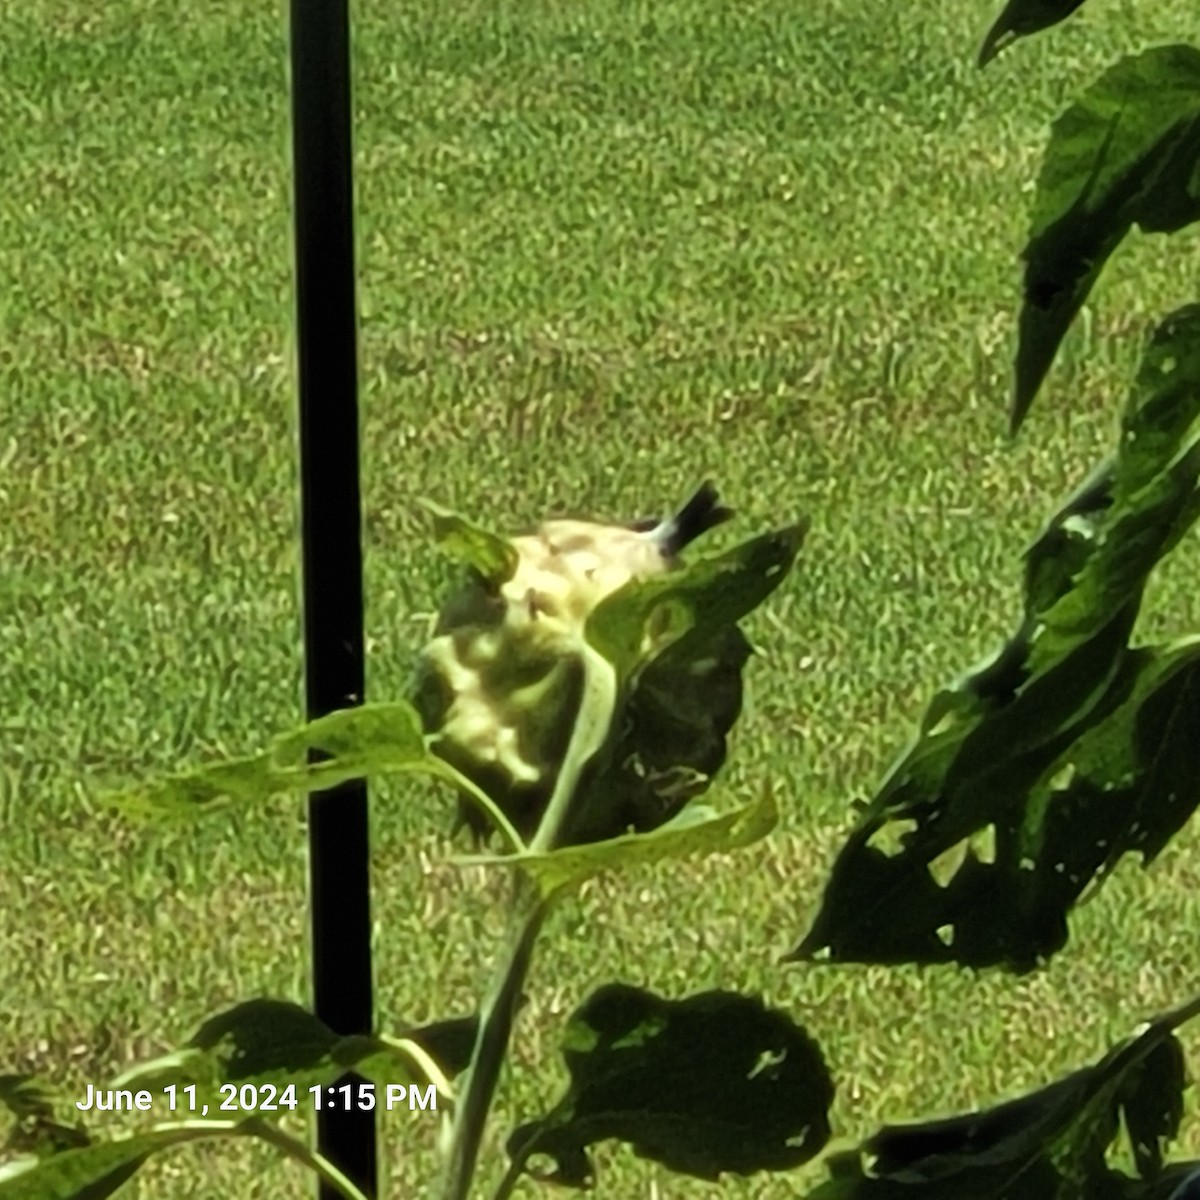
(606, 250)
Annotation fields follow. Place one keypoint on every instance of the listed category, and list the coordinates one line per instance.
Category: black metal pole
(330, 509)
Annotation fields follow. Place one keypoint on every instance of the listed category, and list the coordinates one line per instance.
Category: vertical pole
(330, 512)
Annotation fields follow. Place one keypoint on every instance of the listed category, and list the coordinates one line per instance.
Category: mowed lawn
(606, 250)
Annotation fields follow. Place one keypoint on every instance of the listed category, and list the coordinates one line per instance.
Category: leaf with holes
(1049, 1145)
(712, 1084)
(274, 1044)
(971, 851)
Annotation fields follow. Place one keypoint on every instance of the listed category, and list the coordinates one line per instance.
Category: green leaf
(697, 830)
(449, 1043)
(1021, 18)
(98, 1170)
(671, 737)
(368, 740)
(366, 734)
(1048, 1145)
(269, 1044)
(1126, 153)
(1149, 488)
(711, 1084)
(699, 599)
(989, 870)
(1035, 774)
(678, 654)
(87, 1173)
(1161, 412)
(494, 557)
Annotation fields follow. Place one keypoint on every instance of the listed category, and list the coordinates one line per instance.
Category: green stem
(592, 724)
(491, 1045)
(296, 1149)
(494, 813)
(260, 1128)
(508, 1184)
(420, 1064)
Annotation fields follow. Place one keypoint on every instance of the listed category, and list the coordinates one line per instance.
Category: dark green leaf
(1127, 153)
(712, 1084)
(1152, 1105)
(1021, 18)
(1049, 1145)
(268, 1043)
(670, 740)
(1161, 409)
(449, 1043)
(1033, 776)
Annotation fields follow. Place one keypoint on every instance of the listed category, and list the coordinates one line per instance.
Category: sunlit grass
(606, 250)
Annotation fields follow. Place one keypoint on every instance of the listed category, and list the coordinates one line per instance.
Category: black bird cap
(702, 512)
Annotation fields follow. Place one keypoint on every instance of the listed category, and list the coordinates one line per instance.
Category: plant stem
(302, 1154)
(508, 1184)
(419, 1063)
(269, 1132)
(592, 725)
(491, 1045)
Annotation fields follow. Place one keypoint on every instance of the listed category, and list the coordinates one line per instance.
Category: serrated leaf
(1035, 774)
(494, 557)
(1048, 1145)
(1021, 18)
(1126, 153)
(716, 1083)
(697, 830)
